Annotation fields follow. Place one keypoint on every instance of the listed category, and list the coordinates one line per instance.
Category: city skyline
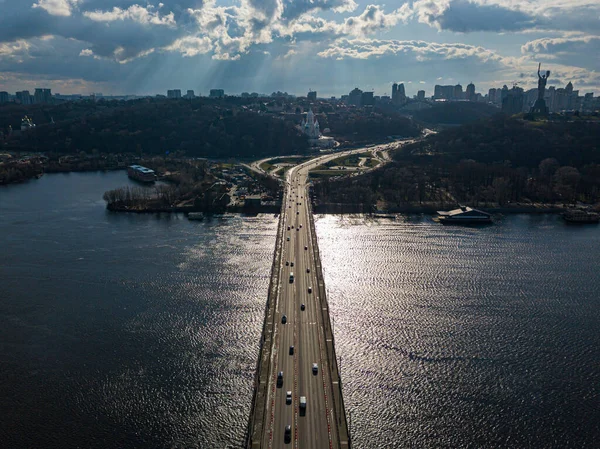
(122, 47)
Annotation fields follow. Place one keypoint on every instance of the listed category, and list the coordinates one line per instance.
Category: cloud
(421, 50)
(579, 51)
(56, 7)
(465, 16)
(135, 13)
(374, 19)
(191, 46)
(295, 8)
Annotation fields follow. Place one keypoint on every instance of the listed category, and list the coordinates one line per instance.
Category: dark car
(284, 319)
(309, 289)
(287, 262)
(308, 270)
(280, 378)
(302, 307)
(291, 350)
(287, 436)
(305, 248)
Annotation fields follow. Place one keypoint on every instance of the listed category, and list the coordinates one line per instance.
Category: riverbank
(263, 209)
(345, 208)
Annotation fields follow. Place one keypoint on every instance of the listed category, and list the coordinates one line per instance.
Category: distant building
(3, 97)
(312, 95)
(512, 103)
(367, 99)
(23, 97)
(174, 93)
(190, 94)
(470, 92)
(355, 97)
(398, 93)
(216, 93)
(421, 95)
(310, 126)
(42, 96)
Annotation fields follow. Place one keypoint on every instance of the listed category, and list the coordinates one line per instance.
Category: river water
(466, 337)
(141, 331)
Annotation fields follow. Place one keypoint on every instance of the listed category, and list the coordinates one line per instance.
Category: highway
(316, 428)
(305, 330)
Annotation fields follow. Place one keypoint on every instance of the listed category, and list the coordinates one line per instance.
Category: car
(291, 264)
(305, 248)
(288, 239)
(287, 436)
(292, 226)
(300, 225)
(292, 350)
(287, 262)
(302, 404)
(284, 319)
(298, 229)
(288, 228)
(288, 397)
(315, 368)
(298, 213)
(280, 378)
(308, 270)
(309, 289)
(302, 307)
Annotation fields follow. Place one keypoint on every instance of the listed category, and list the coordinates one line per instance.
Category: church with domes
(310, 126)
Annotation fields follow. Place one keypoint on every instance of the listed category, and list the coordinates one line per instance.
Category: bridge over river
(310, 369)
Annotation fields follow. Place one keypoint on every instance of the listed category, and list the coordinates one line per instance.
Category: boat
(464, 215)
(581, 216)
(199, 216)
(141, 174)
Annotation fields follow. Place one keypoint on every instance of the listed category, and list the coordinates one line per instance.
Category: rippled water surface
(466, 337)
(142, 331)
(125, 331)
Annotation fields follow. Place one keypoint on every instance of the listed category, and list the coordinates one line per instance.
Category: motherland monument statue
(540, 104)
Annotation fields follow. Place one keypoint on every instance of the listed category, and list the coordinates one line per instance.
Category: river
(142, 331)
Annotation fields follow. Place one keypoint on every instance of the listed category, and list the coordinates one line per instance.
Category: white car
(288, 397)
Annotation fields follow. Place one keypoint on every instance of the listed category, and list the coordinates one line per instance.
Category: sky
(141, 47)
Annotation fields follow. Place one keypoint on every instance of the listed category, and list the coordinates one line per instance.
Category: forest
(493, 162)
(200, 128)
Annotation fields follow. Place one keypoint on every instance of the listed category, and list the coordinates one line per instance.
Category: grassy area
(325, 173)
(283, 171)
(266, 166)
(345, 161)
(372, 163)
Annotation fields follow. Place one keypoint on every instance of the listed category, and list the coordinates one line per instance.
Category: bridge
(310, 370)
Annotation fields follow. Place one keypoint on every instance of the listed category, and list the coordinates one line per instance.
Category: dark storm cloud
(464, 16)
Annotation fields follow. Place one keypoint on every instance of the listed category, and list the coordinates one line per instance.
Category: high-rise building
(355, 97)
(457, 93)
(398, 93)
(470, 92)
(3, 97)
(312, 95)
(448, 92)
(421, 95)
(174, 93)
(512, 103)
(367, 99)
(216, 93)
(42, 96)
(24, 97)
(190, 95)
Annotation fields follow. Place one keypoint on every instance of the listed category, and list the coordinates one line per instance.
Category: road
(316, 428)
